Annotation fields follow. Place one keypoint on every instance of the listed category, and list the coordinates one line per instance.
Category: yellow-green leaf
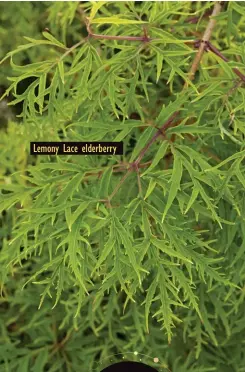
(116, 21)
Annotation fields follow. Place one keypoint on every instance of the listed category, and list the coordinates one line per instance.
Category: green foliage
(101, 256)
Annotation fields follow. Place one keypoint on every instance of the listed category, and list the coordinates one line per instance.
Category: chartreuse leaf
(165, 310)
(159, 155)
(207, 200)
(151, 187)
(111, 92)
(107, 249)
(53, 40)
(194, 195)
(159, 65)
(172, 107)
(61, 71)
(185, 284)
(240, 176)
(130, 210)
(105, 183)
(41, 92)
(83, 84)
(60, 284)
(146, 225)
(148, 301)
(178, 70)
(240, 154)
(116, 20)
(82, 50)
(70, 188)
(73, 254)
(56, 262)
(72, 217)
(193, 129)
(68, 217)
(19, 49)
(131, 97)
(198, 186)
(118, 270)
(162, 246)
(124, 237)
(142, 140)
(175, 181)
(211, 88)
(95, 7)
(142, 75)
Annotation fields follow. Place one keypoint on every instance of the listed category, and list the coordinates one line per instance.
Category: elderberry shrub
(102, 256)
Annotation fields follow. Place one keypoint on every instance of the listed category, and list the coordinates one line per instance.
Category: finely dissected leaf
(55, 262)
(240, 155)
(78, 57)
(41, 91)
(211, 88)
(72, 217)
(40, 361)
(130, 210)
(206, 321)
(159, 65)
(166, 112)
(142, 75)
(116, 20)
(60, 284)
(51, 38)
(175, 181)
(123, 236)
(73, 254)
(112, 95)
(95, 7)
(207, 200)
(148, 300)
(61, 71)
(159, 155)
(192, 199)
(106, 251)
(105, 183)
(238, 173)
(161, 244)
(83, 83)
(181, 73)
(185, 284)
(150, 189)
(146, 224)
(192, 129)
(70, 188)
(142, 140)
(165, 309)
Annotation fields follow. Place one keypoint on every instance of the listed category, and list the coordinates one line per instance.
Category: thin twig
(120, 183)
(213, 49)
(206, 36)
(161, 131)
